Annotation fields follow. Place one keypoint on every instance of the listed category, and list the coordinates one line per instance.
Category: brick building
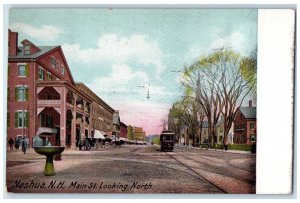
(123, 130)
(43, 99)
(102, 113)
(245, 125)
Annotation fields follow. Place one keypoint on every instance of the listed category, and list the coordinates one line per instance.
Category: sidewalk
(218, 150)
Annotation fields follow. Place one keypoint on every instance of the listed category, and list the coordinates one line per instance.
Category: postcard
(125, 101)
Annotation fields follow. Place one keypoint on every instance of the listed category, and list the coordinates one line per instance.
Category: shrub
(242, 147)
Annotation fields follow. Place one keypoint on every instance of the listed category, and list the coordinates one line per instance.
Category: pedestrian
(80, 144)
(24, 145)
(46, 142)
(86, 144)
(17, 143)
(11, 144)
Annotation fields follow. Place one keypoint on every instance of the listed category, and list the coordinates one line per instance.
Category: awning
(99, 134)
(123, 138)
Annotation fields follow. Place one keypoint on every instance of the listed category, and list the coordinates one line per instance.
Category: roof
(248, 112)
(20, 54)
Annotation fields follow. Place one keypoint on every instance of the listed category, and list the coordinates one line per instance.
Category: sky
(122, 54)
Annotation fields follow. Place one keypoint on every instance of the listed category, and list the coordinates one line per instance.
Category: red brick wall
(123, 131)
(13, 43)
(13, 105)
(238, 123)
(57, 71)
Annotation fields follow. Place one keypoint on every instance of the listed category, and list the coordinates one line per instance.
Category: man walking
(11, 144)
(24, 145)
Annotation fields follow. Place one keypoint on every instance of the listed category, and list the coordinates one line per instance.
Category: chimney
(12, 43)
(250, 103)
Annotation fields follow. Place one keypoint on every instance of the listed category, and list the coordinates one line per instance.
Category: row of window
(241, 139)
(56, 64)
(23, 71)
(243, 126)
(41, 74)
(21, 119)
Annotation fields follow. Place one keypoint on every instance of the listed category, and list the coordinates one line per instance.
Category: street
(134, 169)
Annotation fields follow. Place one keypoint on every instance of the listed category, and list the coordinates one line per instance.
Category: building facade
(43, 99)
(245, 125)
(102, 113)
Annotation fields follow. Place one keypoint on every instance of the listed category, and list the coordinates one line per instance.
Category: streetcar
(167, 140)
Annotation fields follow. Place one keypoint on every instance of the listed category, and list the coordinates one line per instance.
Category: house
(43, 98)
(245, 125)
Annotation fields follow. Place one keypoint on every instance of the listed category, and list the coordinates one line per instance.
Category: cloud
(119, 50)
(120, 78)
(45, 33)
(125, 90)
(236, 41)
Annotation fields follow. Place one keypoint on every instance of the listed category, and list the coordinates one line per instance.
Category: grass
(241, 147)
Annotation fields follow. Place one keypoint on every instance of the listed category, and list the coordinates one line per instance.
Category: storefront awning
(123, 138)
(99, 134)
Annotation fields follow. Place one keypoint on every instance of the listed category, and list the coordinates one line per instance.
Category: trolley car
(167, 140)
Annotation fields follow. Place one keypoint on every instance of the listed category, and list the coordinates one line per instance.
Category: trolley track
(223, 163)
(197, 174)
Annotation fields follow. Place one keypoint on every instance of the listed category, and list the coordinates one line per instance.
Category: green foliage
(156, 140)
(242, 147)
(248, 70)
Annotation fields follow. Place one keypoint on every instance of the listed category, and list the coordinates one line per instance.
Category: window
(21, 93)
(62, 70)
(8, 95)
(21, 119)
(53, 62)
(49, 76)
(42, 120)
(251, 125)
(8, 119)
(57, 65)
(22, 70)
(220, 138)
(41, 74)
(252, 138)
(26, 49)
(221, 129)
(49, 121)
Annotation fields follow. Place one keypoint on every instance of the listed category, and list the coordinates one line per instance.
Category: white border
(274, 101)
(159, 3)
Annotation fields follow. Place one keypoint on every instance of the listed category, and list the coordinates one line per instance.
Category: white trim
(20, 64)
(21, 110)
(24, 119)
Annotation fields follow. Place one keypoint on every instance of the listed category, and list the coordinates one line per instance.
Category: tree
(198, 81)
(130, 134)
(186, 112)
(219, 83)
(156, 140)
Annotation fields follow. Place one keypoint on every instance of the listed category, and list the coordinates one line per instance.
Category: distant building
(245, 125)
(139, 133)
